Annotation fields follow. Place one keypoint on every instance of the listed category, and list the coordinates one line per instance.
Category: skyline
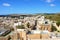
(29, 6)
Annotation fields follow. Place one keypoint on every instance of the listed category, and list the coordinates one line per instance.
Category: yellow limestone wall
(45, 27)
(34, 36)
(38, 36)
(22, 35)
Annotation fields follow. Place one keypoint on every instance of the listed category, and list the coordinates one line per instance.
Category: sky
(29, 6)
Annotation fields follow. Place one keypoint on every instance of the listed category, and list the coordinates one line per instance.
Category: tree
(53, 28)
(20, 27)
(58, 23)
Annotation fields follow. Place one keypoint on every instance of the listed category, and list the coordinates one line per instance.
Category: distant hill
(55, 17)
(51, 16)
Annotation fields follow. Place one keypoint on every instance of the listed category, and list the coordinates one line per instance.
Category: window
(46, 22)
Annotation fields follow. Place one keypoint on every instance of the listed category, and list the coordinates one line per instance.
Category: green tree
(53, 28)
(58, 23)
(20, 27)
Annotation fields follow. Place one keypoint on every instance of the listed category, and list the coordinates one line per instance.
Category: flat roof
(4, 32)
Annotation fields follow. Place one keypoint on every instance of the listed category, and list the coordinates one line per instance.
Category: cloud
(52, 5)
(49, 1)
(6, 4)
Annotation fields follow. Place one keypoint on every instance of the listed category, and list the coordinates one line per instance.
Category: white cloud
(49, 1)
(6, 4)
(52, 5)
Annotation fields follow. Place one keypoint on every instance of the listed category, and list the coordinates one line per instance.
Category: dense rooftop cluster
(28, 26)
